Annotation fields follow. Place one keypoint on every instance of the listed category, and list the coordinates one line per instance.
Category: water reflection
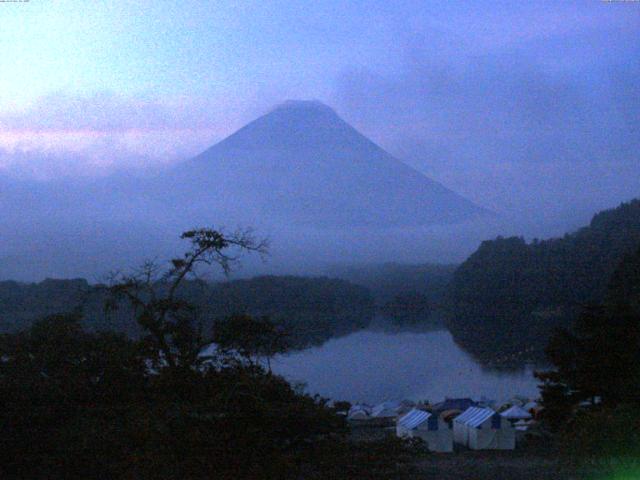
(380, 364)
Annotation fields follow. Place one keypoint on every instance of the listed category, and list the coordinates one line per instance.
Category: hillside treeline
(509, 295)
(386, 281)
(311, 310)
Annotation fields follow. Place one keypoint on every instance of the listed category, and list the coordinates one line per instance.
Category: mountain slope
(509, 295)
(303, 165)
(299, 175)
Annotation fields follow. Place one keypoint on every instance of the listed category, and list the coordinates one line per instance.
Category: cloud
(107, 112)
(47, 164)
(68, 135)
(517, 74)
(63, 135)
(546, 125)
(504, 99)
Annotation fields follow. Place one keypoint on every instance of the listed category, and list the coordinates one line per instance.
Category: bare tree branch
(152, 291)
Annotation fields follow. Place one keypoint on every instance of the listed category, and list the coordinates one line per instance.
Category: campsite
(458, 424)
(458, 439)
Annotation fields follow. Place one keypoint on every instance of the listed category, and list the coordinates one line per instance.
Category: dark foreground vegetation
(592, 397)
(83, 403)
(508, 297)
(514, 465)
(80, 404)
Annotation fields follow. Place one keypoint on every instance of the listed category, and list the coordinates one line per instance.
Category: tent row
(385, 410)
(477, 428)
(460, 421)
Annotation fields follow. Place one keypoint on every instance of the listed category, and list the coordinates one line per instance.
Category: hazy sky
(514, 104)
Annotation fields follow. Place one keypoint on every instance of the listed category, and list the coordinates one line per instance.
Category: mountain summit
(304, 165)
(294, 124)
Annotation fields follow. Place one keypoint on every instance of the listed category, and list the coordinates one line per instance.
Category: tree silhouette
(175, 332)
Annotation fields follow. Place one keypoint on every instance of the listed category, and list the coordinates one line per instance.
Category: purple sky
(517, 105)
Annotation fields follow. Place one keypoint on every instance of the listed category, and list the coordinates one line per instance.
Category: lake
(375, 365)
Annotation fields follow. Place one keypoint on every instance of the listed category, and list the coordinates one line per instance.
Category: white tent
(483, 429)
(516, 413)
(521, 426)
(358, 412)
(386, 409)
(433, 430)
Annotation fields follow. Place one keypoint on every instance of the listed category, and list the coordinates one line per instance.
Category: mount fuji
(303, 165)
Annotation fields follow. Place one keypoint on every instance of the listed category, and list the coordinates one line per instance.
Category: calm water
(373, 366)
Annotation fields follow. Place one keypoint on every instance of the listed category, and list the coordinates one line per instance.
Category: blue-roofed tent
(359, 412)
(389, 409)
(430, 428)
(483, 429)
(516, 413)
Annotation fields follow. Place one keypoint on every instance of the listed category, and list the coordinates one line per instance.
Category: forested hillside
(23, 303)
(509, 295)
(624, 288)
(311, 309)
(389, 280)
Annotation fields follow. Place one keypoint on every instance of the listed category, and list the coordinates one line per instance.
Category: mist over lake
(375, 365)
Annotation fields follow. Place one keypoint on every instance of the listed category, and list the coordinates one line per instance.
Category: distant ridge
(304, 165)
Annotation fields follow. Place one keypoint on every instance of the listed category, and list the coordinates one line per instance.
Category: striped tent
(483, 429)
(358, 412)
(428, 427)
(387, 409)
